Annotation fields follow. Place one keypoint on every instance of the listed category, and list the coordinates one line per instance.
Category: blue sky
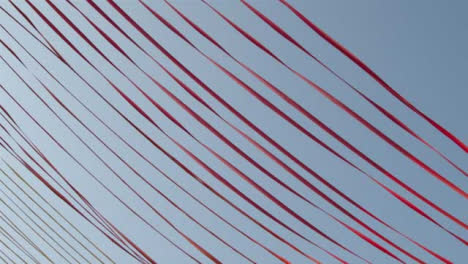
(417, 46)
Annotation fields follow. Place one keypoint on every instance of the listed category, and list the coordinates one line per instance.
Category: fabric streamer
(147, 117)
(381, 109)
(339, 138)
(374, 75)
(275, 220)
(155, 167)
(266, 137)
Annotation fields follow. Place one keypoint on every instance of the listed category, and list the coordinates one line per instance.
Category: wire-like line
(41, 236)
(103, 221)
(104, 162)
(15, 242)
(204, 123)
(178, 144)
(12, 251)
(34, 213)
(185, 168)
(147, 160)
(55, 210)
(106, 227)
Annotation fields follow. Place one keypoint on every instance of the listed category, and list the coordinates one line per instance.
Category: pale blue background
(419, 47)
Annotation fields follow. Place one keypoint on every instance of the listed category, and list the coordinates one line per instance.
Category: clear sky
(418, 47)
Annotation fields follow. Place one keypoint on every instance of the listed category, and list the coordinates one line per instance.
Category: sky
(418, 47)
